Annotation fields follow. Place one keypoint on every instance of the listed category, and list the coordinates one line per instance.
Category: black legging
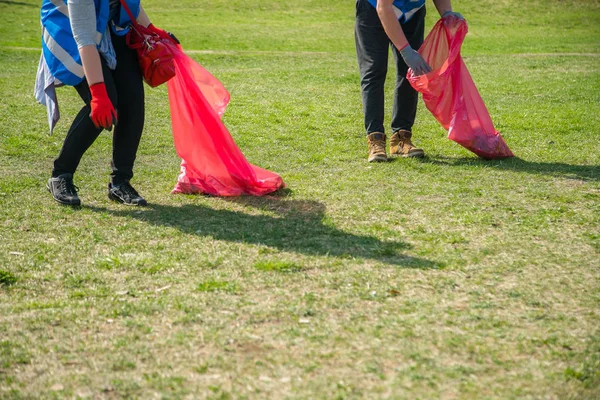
(126, 91)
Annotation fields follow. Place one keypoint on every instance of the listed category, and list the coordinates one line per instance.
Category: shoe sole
(64, 203)
(416, 154)
(120, 201)
(378, 159)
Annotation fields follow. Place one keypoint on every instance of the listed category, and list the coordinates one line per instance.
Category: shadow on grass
(292, 225)
(583, 172)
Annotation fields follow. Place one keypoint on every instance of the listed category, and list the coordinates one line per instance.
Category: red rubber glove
(103, 113)
(163, 34)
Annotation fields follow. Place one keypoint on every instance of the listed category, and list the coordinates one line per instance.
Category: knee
(374, 76)
(132, 105)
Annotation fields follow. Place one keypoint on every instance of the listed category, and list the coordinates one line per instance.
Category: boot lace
(379, 146)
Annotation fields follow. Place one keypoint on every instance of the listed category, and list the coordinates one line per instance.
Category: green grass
(447, 277)
(277, 266)
(7, 278)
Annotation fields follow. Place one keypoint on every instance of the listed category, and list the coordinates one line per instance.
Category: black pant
(372, 44)
(126, 91)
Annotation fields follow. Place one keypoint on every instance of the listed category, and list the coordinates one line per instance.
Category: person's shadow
(292, 225)
(582, 172)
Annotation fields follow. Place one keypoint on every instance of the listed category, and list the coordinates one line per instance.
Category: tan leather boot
(376, 142)
(401, 145)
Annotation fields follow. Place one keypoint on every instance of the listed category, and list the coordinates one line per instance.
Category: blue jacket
(58, 45)
(404, 9)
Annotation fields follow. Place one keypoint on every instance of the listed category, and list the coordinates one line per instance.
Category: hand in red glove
(103, 113)
(163, 34)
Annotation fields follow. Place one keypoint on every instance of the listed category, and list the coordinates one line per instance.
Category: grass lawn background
(448, 277)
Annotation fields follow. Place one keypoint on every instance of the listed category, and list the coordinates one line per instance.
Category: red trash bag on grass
(211, 161)
(450, 94)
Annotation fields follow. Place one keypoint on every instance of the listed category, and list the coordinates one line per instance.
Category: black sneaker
(126, 194)
(63, 190)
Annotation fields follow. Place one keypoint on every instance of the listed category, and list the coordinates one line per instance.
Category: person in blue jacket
(399, 24)
(83, 45)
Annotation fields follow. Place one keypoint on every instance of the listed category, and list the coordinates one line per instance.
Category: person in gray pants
(399, 24)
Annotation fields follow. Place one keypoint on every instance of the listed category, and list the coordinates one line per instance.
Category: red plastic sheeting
(211, 161)
(450, 94)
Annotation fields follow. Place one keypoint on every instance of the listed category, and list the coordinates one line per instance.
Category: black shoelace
(66, 186)
(128, 191)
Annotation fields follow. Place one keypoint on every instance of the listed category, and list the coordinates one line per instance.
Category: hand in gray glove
(453, 14)
(414, 61)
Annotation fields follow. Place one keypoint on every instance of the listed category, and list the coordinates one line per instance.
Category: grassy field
(447, 277)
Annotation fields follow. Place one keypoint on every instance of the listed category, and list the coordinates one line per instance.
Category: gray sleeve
(82, 14)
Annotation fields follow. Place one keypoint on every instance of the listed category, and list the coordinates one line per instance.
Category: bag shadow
(562, 170)
(298, 226)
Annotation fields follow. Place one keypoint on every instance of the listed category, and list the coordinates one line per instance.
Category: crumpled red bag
(211, 161)
(450, 94)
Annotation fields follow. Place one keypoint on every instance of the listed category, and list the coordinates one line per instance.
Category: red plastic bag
(211, 161)
(450, 94)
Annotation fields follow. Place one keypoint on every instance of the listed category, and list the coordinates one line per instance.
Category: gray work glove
(453, 14)
(414, 61)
